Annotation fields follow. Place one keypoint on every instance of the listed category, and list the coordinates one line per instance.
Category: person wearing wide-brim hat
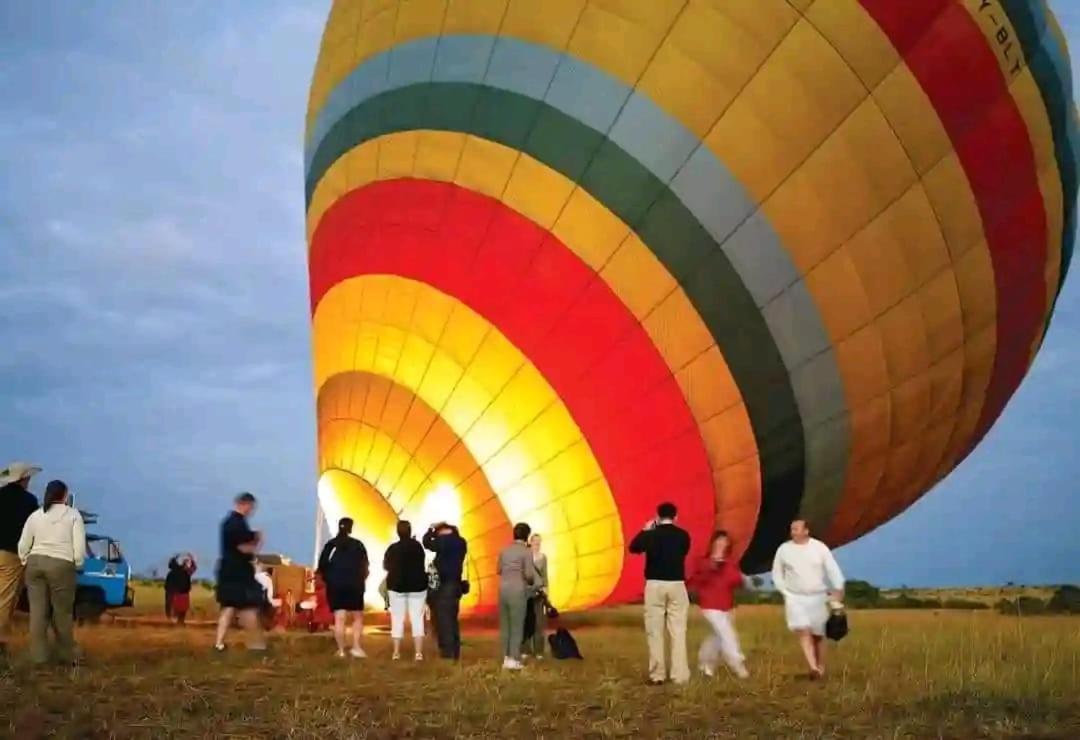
(16, 506)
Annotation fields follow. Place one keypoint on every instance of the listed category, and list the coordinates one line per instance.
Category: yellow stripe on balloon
(610, 247)
(905, 486)
(380, 432)
(727, 93)
(714, 47)
(857, 190)
(524, 439)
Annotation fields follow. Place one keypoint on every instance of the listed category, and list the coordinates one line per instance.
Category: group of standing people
(804, 572)
(45, 546)
(42, 547)
(411, 587)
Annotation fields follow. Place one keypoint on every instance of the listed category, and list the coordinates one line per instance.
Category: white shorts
(807, 612)
(411, 604)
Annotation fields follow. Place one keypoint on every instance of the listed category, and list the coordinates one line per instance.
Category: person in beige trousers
(665, 547)
(16, 506)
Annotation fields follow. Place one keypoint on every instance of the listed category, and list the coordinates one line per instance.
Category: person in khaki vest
(665, 547)
(16, 506)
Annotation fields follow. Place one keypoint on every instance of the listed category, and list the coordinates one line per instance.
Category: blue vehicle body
(104, 581)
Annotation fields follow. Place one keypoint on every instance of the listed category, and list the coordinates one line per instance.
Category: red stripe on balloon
(557, 311)
(950, 56)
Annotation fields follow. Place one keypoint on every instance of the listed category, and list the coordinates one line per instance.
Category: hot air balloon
(765, 259)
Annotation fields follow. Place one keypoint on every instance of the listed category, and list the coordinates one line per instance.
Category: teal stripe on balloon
(675, 160)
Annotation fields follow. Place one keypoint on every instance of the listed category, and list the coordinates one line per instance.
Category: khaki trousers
(50, 584)
(667, 605)
(11, 580)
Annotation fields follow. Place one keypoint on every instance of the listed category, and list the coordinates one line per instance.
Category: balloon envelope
(764, 259)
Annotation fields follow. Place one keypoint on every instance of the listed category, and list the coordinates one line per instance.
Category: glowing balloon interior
(765, 259)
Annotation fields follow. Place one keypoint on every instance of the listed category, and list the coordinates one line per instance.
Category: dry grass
(899, 674)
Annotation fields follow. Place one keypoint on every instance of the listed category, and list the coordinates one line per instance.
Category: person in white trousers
(715, 583)
(804, 570)
(407, 584)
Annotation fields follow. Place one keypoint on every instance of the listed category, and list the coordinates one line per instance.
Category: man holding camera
(450, 549)
(665, 547)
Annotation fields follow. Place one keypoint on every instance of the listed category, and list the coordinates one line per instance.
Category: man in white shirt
(805, 571)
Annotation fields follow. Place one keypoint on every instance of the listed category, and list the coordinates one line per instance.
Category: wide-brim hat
(18, 471)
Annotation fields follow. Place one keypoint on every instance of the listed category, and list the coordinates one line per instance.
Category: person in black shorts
(343, 566)
(238, 593)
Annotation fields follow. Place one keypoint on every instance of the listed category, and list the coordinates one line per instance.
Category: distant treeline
(864, 595)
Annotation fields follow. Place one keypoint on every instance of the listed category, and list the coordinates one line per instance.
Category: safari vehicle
(103, 582)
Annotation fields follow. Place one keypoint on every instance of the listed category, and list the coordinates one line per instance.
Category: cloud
(155, 324)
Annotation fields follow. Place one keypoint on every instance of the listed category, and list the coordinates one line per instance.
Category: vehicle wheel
(88, 608)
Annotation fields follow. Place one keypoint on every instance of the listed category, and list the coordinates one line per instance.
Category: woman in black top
(406, 581)
(343, 566)
(238, 593)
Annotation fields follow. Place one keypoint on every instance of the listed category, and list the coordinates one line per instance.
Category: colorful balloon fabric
(765, 259)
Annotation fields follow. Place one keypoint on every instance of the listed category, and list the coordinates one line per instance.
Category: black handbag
(836, 627)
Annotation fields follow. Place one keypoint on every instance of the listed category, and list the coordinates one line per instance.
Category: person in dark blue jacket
(344, 567)
(450, 549)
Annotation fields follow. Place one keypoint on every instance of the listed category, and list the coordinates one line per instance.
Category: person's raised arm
(640, 542)
(78, 540)
(430, 538)
(26, 539)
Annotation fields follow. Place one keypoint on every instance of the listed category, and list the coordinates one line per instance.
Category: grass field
(898, 674)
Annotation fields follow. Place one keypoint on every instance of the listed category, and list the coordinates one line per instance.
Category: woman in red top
(715, 583)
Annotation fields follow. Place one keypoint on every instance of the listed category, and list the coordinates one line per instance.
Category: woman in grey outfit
(516, 574)
(534, 643)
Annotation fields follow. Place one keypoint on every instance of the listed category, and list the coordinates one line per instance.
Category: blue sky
(154, 339)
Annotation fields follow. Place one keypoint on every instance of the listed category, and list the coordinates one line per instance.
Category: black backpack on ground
(563, 645)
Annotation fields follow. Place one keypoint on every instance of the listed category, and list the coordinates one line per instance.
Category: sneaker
(513, 665)
(707, 670)
(655, 682)
(741, 672)
(341, 653)
(219, 648)
(357, 653)
(418, 657)
(396, 656)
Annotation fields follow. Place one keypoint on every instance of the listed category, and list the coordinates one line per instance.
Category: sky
(154, 335)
